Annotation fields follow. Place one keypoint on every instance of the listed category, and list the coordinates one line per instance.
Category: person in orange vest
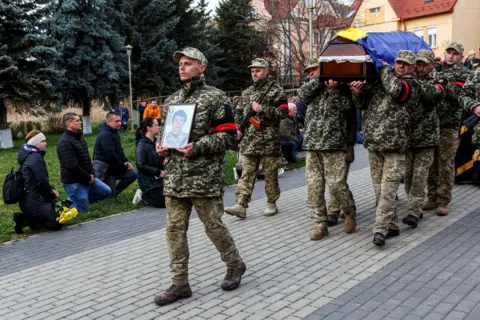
(152, 110)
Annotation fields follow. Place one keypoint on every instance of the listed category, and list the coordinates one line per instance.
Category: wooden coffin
(345, 60)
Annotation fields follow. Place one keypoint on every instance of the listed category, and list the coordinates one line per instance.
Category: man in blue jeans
(76, 170)
(109, 158)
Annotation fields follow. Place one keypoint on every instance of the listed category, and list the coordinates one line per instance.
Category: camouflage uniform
(386, 124)
(197, 181)
(470, 98)
(325, 140)
(261, 145)
(442, 172)
(351, 117)
(424, 134)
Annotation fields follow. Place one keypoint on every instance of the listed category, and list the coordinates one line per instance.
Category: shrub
(53, 124)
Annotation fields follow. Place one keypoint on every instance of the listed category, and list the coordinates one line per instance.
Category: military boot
(173, 294)
(332, 218)
(392, 233)
(379, 239)
(237, 210)
(430, 205)
(442, 210)
(411, 220)
(350, 223)
(270, 210)
(233, 278)
(319, 233)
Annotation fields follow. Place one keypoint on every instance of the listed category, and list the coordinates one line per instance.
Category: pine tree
(153, 71)
(93, 55)
(209, 44)
(240, 41)
(25, 61)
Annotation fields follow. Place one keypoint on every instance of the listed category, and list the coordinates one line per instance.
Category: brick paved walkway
(111, 269)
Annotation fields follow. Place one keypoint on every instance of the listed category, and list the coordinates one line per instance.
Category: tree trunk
(87, 124)
(6, 141)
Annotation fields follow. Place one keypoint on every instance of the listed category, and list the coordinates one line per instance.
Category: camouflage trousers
(326, 168)
(418, 163)
(387, 170)
(246, 183)
(209, 211)
(442, 172)
(333, 204)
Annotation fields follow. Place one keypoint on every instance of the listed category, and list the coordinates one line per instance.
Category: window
(432, 36)
(374, 10)
(418, 33)
(427, 1)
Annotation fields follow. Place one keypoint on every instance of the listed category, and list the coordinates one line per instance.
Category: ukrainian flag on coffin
(384, 46)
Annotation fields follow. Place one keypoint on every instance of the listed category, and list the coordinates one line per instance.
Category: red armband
(405, 90)
(225, 126)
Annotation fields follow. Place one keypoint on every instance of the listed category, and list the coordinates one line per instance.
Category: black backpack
(13, 187)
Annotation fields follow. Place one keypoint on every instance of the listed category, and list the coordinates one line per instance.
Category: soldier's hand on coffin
(384, 63)
(257, 107)
(331, 84)
(476, 110)
(239, 134)
(357, 85)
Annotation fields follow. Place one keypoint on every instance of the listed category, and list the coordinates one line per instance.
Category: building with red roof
(438, 22)
(287, 23)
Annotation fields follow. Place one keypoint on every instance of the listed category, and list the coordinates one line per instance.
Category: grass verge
(123, 203)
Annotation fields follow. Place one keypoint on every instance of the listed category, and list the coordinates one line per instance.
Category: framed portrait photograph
(178, 125)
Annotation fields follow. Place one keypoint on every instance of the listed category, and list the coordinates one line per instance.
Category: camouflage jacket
(450, 111)
(385, 118)
(326, 119)
(263, 141)
(213, 132)
(424, 126)
(470, 98)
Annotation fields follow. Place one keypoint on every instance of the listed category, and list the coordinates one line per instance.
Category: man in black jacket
(76, 170)
(108, 153)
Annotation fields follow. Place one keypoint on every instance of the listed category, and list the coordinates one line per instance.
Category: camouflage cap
(455, 46)
(259, 63)
(190, 52)
(312, 63)
(406, 56)
(426, 56)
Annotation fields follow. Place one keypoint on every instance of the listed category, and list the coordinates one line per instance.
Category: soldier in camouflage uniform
(423, 137)
(385, 122)
(442, 172)
(260, 144)
(470, 100)
(325, 140)
(194, 176)
(334, 207)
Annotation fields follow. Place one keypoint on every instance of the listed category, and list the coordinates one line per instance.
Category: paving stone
(118, 264)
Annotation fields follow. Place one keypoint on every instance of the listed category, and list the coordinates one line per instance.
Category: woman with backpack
(149, 165)
(37, 203)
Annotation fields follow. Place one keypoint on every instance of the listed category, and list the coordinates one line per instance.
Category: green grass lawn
(8, 159)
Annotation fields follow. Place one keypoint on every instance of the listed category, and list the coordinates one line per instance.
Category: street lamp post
(129, 54)
(310, 5)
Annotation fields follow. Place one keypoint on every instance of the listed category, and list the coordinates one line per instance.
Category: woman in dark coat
(37, 204)
(150, 165)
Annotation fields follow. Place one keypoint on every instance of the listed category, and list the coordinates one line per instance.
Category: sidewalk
(112, 268)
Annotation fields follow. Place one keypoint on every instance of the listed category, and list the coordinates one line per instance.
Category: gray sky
(212, 4)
